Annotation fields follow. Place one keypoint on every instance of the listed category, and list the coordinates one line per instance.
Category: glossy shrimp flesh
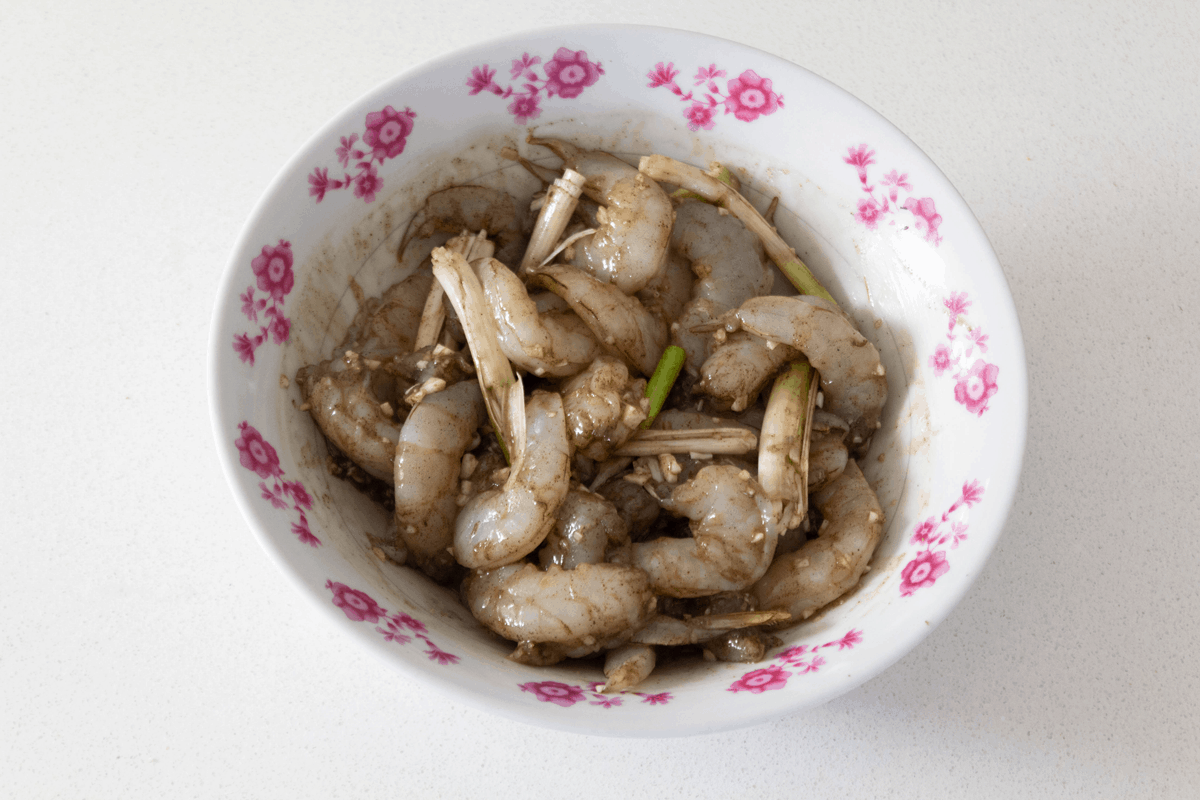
(428, 459)
(633, 225)
(727, 259)
(852, 377)
(504, 525)
(604, 407)
(577, 610)
(554, 343)
(588, 530)
(825, 568)
(734, 531)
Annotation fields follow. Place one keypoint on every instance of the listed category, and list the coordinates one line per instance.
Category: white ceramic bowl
(876, 221)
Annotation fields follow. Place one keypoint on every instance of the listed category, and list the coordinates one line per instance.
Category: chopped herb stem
(663, 379)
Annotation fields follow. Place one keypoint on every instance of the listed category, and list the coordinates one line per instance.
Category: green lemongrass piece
(694, 179)
(712, 441)
(669, 365)
(721, 173)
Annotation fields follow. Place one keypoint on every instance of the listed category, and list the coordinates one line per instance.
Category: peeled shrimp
(825, 568)
(622, 324)
(734, 531)
(739, 369)
(352, 413)
(667, 630)
(552, 343)
(578, 609)
(827, 453)
(604, 407)
(670, 290)
(589, 530)
(852, 376)
(634, 225)
(428, 461)
(504, 525)
(627, 666)
(473, 208)
(727, 259)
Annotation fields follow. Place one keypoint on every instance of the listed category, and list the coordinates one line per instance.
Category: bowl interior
(873, 219)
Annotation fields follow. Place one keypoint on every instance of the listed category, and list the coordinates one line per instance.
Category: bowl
(869, 213)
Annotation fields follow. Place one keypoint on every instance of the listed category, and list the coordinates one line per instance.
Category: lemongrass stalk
(694, 179)
(712, 441)
(503, 392)
(434, 314)
(659, 386)
(783, 448)
(561, 200)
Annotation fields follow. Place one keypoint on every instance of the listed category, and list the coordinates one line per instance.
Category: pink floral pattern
(567, 74)
(802, 659)
(929, 564)
(747, 97)
(567, 694)
(882, 199)
(358, 606)
(386, 133)
(257, 455)
(274, 279)
(975, 381)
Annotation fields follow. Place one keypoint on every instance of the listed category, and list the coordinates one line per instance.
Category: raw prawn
(825, 568)
(634, 224)
(734, 531)
(504, 525)
(589, 530)
(428, 459)
(604, 407)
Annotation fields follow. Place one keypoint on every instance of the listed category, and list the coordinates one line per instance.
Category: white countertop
(148, 647)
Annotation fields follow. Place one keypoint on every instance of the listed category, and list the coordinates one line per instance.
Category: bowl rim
(986, 271)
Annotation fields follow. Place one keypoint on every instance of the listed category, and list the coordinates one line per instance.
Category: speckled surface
(148, 648)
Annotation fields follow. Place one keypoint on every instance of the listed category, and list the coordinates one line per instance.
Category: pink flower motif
(924, 532)
(552, 691)
(924, 570)
(304, 533)
(750, 97)
(811, 666)
(347, 151)
(793, 655)
(700, 116)
(868, 212)
(244, 346)
(273, 268)
(387, 132)
(367, 182)
(298, 494)
(256, 454)
(481, 79)
(249, 305)
(662, 698)
(523, 65)
(860, 158)
(761, 680)
(568, 73)
(852, 637)
(896, 181)
(709, 74)
(940, 360)
(960, 533)
(273, 494)
(606, 701)
(280, 326)
(664, 76)
(392, 634)
(956, 304)
(318, 183)
(411, 623)
(980, 338)
(435, 653)
(357, 605)
(972, 493)
(928, 219)
(524, 107)
(975, 386)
